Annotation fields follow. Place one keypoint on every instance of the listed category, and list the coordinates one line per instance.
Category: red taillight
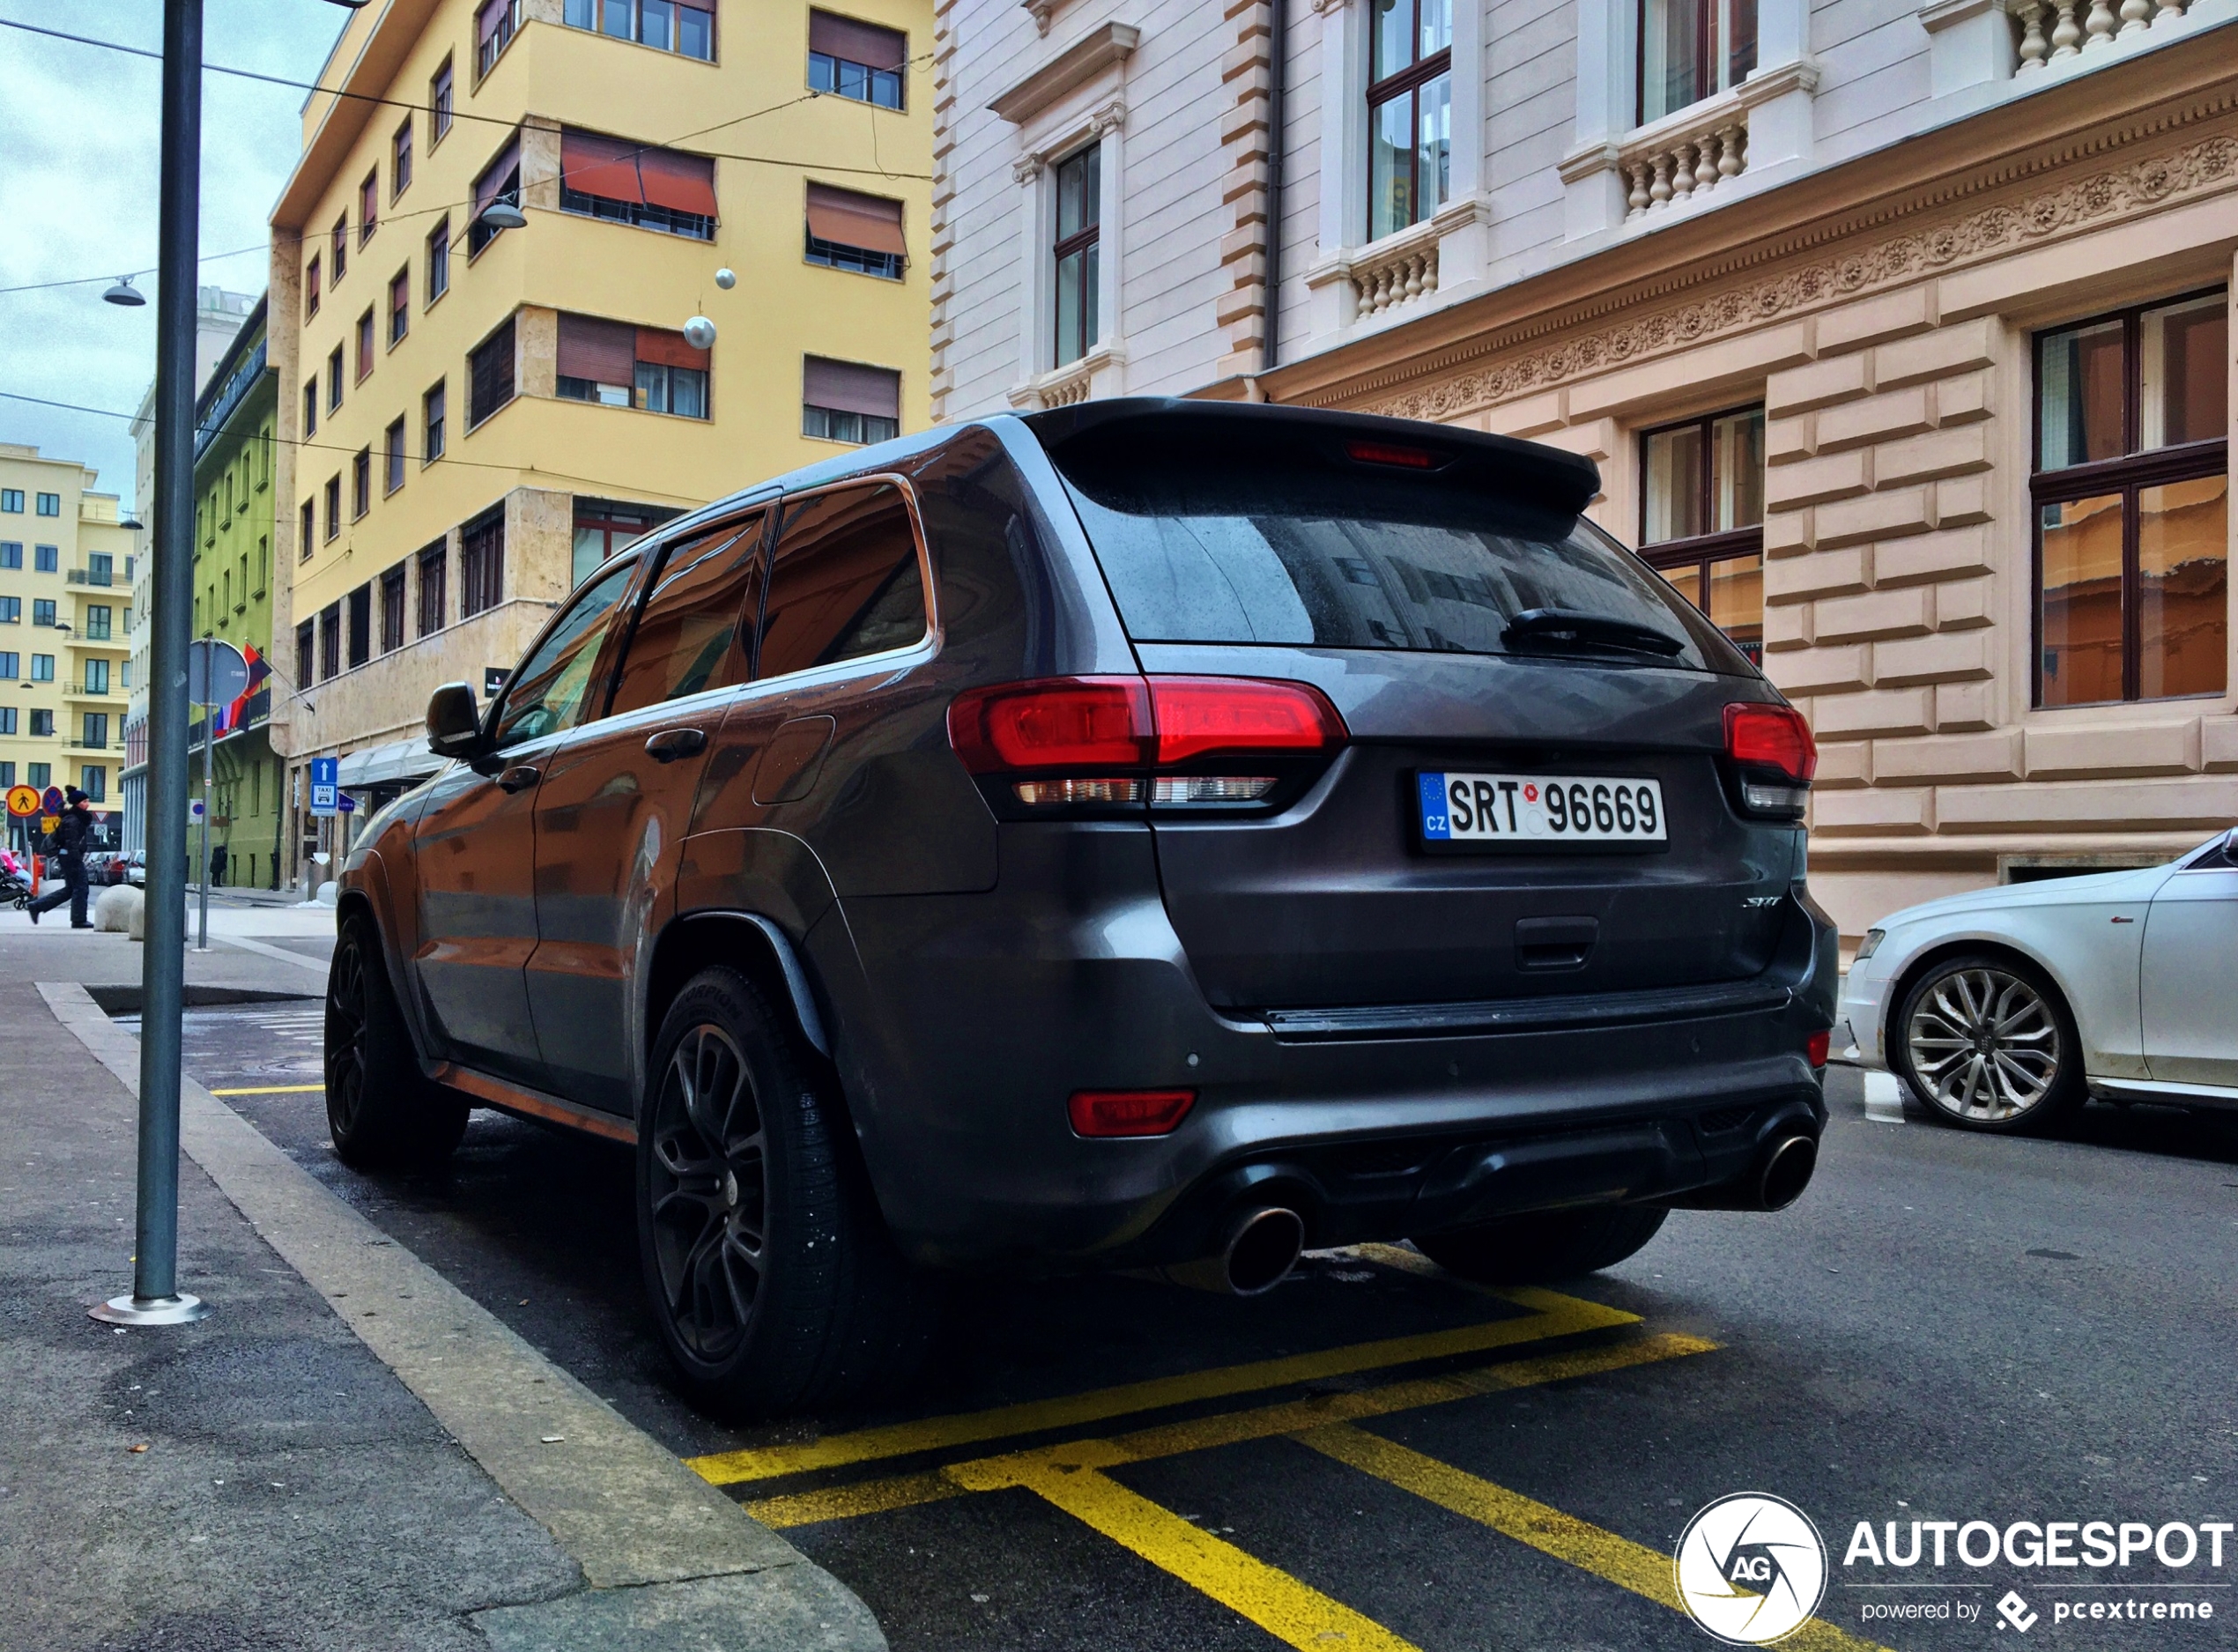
(1129, 1112)
(1775, 736)
(1816, 1046)
(1393, 453)
(1132, 722)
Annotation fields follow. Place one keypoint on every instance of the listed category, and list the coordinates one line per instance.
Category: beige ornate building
(1899, 332)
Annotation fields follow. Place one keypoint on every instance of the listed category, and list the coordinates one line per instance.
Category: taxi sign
(23, 800)
(326, 785)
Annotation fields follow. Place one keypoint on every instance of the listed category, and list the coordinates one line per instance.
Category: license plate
(1540, 809)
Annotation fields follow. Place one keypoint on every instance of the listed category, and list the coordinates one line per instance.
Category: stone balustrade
(2054, 29)
(1670, 163)
(1399, 272)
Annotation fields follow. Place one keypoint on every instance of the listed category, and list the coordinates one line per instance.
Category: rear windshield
(1311, 555)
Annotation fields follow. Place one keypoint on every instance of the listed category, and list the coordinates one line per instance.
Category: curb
(671, 1560)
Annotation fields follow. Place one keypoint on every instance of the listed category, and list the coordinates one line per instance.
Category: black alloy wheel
(707, 1188)
(383, 1112)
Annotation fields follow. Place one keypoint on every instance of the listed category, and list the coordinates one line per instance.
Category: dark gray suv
(1145, 834)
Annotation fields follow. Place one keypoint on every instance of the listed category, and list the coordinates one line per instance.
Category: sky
(77, 197)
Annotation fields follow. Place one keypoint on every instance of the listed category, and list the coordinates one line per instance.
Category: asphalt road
(1947, 1328)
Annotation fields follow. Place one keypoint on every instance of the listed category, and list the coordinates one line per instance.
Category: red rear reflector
(1393, 453)
(1775, 737)
(1059, 722)
(1816, 1046)
(1198, 716)
(1129, 1112)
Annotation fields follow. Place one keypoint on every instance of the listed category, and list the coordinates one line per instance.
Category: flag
(234, 716)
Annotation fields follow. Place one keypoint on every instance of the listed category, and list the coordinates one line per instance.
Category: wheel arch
(1974, 945)
(748, 940)
(365, 896)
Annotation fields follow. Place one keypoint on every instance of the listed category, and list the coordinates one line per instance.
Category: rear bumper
(963, 1024)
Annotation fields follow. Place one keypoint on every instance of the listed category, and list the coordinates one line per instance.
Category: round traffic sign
(51, 799)
(216, 675)
(23, 800)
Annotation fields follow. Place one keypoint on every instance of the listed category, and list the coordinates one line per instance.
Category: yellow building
(470, 416)
(65, 584)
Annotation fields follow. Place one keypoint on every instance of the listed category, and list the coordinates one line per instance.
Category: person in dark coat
(71, 835)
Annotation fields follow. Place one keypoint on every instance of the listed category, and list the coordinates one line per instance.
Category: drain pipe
(1278, 50)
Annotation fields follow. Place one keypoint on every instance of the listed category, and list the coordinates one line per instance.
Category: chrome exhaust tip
(1259, 1247)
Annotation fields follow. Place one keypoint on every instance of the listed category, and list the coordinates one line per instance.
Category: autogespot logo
(1751, 1569)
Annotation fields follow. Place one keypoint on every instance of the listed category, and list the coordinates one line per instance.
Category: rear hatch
(1436, 856)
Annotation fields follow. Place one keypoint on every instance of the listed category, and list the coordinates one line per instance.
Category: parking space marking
(1290, 1610)
(1619, 1560)
(1291, 1417)
(275, 1089)
(1549, 1315)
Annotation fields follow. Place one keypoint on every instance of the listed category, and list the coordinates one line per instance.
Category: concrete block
(2189, 803)
(1879, 810)
(1938, 354)
(1962, 401)
(1787, 627)
(1845, 768)
(1879, 516)
(1877, 320)
(1527, 416)
(1873, 615)
(121, 909)
(1836, 476)
(1787, 440)
(1818, 670)
(1960, 502)
(1962, 604)
(2219, 744)
(1943, 757)
(1965, 708)
(2136, 748)
(1876, 712)
(1922, 558)
(1820, 384)
(1873, 419)
(1823, 573)
(1788, 532)
(1959, 451)
(1947, 656)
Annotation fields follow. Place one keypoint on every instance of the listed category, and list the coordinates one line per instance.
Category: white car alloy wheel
(1985, 1046)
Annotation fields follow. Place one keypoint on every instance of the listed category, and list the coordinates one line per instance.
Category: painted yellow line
(1286, 1609)
(1549, 1314)
(276, 1089)
(986, 1474)
(1619, 1560)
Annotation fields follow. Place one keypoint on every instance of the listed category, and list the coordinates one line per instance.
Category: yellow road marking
(994, 1473)
(1552, 1315)
(1285, 1608)
(275, 1089)
(1619, 1560)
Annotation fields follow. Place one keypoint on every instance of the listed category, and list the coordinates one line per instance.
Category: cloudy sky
(77, 197)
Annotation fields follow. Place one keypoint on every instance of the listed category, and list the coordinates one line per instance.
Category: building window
(100, 622)
(631, 183)
(42, 670)
(843, 401)
(365, 346)
(360, 606)
(337, 247)
(1701, 517)
(311, 287)
(330, 641)
(489, 375)
(438, 259)
(307, 531)
(392, 609)
(857, 60)
(92, 778)
(620, 366)
(11, 553)
(1075, 254)
(12, 501)
(93, 729)
(481, 565)
(11, 668)
(46, 558)
(51, 504)
(10, 614)
(311, 409)
(1693, 50)
(100, 568)
(360, 484)
(399, 305)
(602, 529)
(863, 233)
(334, 379)
(494, 28)
(499, 181)
(368, 206)
(672, 25)
(2132, 500)
(430, 411)
(393, 457)
(434, 579)
(400, 160)
(438, 105)
(333, 506)
(306, 648)
(97, 677)
(1410, 112)
(40, 775)
(43, 611)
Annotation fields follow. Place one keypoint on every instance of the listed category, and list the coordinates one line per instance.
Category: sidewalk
(292, 1489)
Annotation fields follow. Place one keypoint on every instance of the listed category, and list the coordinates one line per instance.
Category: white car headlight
(1871, 944)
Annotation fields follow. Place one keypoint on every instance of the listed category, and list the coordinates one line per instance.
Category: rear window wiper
(1540, 628)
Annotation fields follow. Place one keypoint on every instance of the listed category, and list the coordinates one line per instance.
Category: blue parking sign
(326, 785)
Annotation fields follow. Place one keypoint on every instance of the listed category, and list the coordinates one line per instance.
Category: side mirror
(453, 724)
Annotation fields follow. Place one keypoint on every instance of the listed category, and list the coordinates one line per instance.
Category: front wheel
(770, 1272)
(383, 1112)
(1988, 1043)
(1545, 1246)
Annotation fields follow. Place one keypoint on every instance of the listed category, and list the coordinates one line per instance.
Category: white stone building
(1900, 331)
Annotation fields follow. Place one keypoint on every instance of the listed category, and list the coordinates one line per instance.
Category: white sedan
(2005, 1008)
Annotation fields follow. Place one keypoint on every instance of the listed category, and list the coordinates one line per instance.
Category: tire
(1545, 1246)
(769, 1269)
(1986, 1042)
(381, 1111)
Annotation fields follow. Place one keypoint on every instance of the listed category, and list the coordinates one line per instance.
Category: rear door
(1396, 596)
(617, 800)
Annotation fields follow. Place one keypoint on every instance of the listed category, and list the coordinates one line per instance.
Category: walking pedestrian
(217, 863)
(71, 835)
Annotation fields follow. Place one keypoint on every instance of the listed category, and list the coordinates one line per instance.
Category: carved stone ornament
(1986, 234)
(1025, 168)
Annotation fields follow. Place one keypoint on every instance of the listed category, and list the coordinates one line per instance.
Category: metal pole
(156, 1299)
(209, 729)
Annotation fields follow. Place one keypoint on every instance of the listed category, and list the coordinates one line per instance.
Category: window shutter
(668, 349)
(605, 352)
(493, 181)
(864, 43)
(602, 166)
(868, 221)
(680, 183)
(848, 386)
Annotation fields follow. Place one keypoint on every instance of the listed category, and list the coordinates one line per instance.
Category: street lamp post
(156, 1299)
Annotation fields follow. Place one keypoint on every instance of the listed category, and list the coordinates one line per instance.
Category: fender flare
(796, 982)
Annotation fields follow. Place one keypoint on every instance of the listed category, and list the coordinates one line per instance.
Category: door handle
(519, 777)
(670, 744)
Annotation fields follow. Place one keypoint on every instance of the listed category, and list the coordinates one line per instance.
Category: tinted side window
(546, 694)
(844, 583)
(687, 637)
